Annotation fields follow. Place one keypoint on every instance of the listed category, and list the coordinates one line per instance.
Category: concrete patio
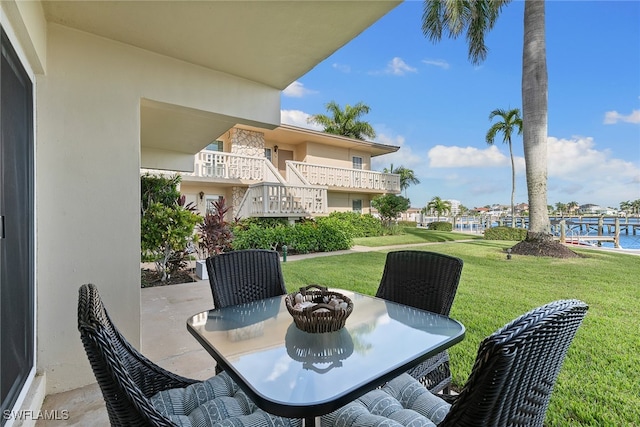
(165, 340)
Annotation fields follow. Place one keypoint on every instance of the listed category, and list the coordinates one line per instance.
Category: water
(627, 241)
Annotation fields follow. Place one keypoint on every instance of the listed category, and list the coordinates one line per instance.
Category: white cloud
(437, 62)
(297, 90)
(403, 157)
(441, 156)
(341, 67)
(397, 67)
(613, 117)
(578, 170)
(578, 160)
(297, 118)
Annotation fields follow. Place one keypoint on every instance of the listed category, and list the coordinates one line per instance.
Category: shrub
(166, 224)
(363, 225)
(327, 234)
(505, 233)
(440, 226)
(333, 235)
(166, 233)
(304, 238)
(255, 236)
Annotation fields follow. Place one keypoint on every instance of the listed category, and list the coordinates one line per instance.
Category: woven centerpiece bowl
(324, 315)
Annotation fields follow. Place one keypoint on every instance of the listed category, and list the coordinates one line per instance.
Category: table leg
(309, 421)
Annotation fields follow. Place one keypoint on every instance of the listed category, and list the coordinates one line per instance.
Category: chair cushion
(402, 402)
(215, 402)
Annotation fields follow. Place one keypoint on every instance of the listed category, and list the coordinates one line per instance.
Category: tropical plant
(510, 122)
(389, 206)
(477, 17)
(407, 176)
(345, 122)
(561, 208)
(166, 223)
(572, 207)
(215, 231)
(438, 206)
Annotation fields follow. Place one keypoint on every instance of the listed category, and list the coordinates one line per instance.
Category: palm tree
(478, 17)
(345, 122)
(439, 206)
(510, 121)
(572, 207)
(407, 177)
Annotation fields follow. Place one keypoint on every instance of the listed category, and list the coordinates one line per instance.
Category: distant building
(412, 214)
(591, 209)
(455, 206)
(520, 208)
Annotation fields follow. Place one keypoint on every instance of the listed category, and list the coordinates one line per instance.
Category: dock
(575, 228)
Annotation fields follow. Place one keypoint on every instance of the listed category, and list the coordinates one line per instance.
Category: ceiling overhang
(271, 43)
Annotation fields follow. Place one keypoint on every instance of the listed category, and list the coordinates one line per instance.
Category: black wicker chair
(510, 384)
(428, 281)
(129, 381)
(243, 276)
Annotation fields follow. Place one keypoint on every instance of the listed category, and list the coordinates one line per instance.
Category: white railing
(230, 166)
(347, 178)
(294, 176)
(277, 200)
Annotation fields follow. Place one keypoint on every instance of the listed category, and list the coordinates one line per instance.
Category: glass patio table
(296, 374)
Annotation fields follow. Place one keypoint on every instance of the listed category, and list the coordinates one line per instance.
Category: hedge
(505, 233)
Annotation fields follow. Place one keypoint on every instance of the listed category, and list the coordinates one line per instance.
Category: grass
(599, 384)
(414, 235)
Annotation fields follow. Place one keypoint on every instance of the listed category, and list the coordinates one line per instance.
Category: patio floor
(165, 341)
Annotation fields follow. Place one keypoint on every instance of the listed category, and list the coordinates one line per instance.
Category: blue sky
(432, 102)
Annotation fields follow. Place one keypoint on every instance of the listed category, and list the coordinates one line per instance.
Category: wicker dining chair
(428, 281)
(244, 276)
(510, 384)
(138, 392)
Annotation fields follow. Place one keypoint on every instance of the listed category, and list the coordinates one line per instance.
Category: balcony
(211, 165)
(347, 179)
(278, 200)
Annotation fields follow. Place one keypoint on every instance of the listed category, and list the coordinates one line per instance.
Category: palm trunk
(513, 184)
(534, 116)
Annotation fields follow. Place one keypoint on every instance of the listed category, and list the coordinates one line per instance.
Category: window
(267, 153)
(356, 206)
(215, 146)
(357, 162)
(210, 200)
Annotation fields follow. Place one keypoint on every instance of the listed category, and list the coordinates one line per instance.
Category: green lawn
(599, 384)
(414, 235)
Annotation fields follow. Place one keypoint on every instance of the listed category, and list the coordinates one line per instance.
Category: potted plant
(215, 235)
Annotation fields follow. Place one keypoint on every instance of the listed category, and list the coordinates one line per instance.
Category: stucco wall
(342, 202)
(88, 160)
(335, 156)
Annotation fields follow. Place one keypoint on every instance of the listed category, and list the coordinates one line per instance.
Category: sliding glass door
(17, 286)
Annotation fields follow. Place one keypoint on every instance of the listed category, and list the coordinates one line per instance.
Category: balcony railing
(347, 178)
(277, 200)
(232, 166)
